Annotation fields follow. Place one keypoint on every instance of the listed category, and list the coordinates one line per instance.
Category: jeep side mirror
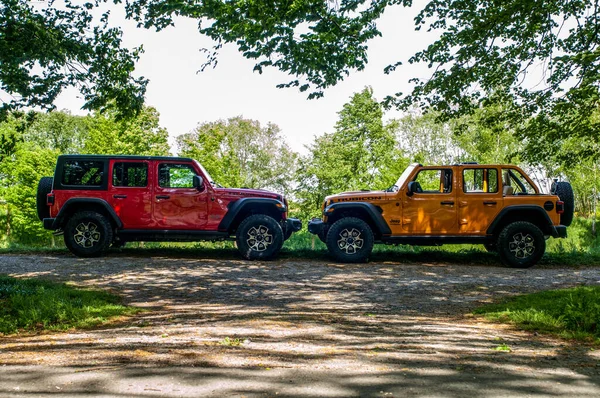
(198, 183)
(412, 188)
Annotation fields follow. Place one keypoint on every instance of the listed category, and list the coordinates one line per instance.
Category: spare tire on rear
(43, 189)
(564, 191)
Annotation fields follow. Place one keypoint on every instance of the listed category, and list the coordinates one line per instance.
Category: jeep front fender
(369, 210)
(248, 206)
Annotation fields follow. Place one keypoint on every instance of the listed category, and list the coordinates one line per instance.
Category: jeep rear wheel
(521, 244)
(350, 240)
(88, 234)
(259, 237)
(43, 189)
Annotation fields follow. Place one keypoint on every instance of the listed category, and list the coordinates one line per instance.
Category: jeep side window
(480, 180)
(83, 172)
(434, 181)
(128, 174)
(173, 175)
(513, 178)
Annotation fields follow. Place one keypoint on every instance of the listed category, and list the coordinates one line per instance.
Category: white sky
(185, 98)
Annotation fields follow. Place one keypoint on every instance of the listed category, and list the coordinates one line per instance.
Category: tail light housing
(50, 199)
(560, 206)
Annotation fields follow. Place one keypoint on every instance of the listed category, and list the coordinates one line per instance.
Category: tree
(45, 48)
(139, 135)
(360, 154)
(58, 130)
(239, 152)
(20, 174)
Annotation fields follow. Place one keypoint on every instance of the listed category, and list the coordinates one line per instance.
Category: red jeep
(98, 201)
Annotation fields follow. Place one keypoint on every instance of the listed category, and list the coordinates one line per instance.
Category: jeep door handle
(119, 196)
(163, 197)
(447, 203)
(489, 203)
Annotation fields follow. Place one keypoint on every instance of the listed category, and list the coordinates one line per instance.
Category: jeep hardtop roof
(125, 157)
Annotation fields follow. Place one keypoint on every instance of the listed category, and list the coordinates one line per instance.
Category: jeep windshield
(403, 178)
(208, 177)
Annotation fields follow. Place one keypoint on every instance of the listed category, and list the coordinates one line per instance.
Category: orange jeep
(498, 206)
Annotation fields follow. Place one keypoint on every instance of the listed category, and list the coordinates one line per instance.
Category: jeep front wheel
(521, 244)
(88, 234)
(259, 237)
(350, 240)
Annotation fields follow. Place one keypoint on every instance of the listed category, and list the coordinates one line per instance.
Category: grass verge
(33, 305)
(568, 313)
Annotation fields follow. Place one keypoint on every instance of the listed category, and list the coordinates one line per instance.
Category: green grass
(33, 305)
(568, 313)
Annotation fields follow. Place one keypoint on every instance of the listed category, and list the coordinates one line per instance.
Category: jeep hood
(248, 193)
(358, 196)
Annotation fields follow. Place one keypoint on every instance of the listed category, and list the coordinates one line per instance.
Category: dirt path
(306, 328)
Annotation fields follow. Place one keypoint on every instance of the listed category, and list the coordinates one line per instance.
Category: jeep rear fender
(531, 213)
(366, 211)
(244, 207)
(78, 204)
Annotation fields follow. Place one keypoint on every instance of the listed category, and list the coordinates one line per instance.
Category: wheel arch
(530, 213)
(367, 212)
(75, 205)
(242, 208)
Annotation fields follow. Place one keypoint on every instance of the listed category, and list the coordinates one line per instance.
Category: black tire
(564, 191)
(490, 247)
(521, 244)
(259, 237)
(43, 189)
(88, 234)
(350, 240)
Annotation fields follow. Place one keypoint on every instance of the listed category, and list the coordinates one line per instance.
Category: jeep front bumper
(293, 224)
(316, 226)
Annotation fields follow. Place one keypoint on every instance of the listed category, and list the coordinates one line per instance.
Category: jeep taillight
(560, 206)
(50, 199)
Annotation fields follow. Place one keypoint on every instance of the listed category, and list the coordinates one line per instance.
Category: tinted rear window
(128, 174)
(83, 173)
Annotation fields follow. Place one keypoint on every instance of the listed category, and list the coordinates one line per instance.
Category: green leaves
(360, 154)
(46, 49)
(239, 152)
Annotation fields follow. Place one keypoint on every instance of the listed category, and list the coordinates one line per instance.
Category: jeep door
(480, 199)
(432, 208)
(130, 193)
(178, 205)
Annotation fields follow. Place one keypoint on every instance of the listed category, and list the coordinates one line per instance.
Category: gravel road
(306, 328)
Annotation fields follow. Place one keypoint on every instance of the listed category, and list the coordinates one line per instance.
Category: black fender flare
(73, 202)
(372, 211)
(536, 211)
(241, 205)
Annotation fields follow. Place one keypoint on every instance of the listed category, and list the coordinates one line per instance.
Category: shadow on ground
(226, 327)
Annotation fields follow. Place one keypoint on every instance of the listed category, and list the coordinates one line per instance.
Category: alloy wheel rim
(86, 234)
(522, 245)
(350, 241)
(259, 238)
